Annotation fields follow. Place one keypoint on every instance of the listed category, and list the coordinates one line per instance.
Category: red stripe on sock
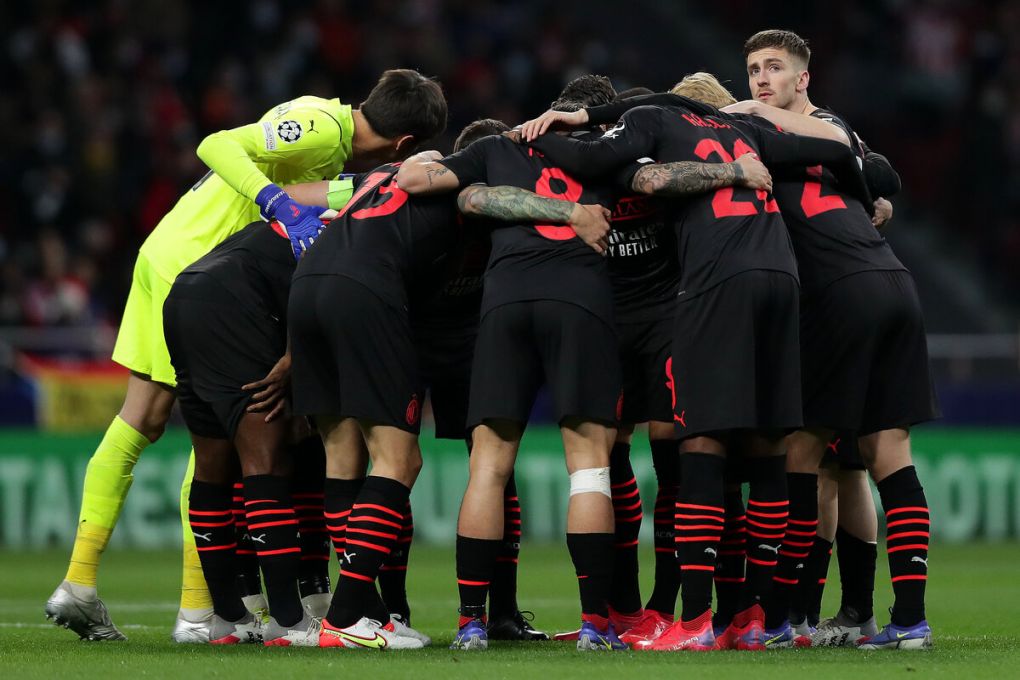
(910, 577)
(217, 547)
(369, 532)
(373, 546)
(281, 551)
(901, 522)
(359, 577)
(382, 508)
(260, 513)
(913, 546)
(905, 534)
(211, 524)
(711, 518)
(281, 523)
(768, 504)
(787, 581)
(697, 567)
(914, 508)
(210, 513)
(700, 507)
(763, 563)
(462, 582)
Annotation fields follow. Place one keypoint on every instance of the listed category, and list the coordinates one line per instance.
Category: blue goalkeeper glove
(301, 222)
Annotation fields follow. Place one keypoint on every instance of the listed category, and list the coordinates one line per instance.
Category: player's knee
(591, 480)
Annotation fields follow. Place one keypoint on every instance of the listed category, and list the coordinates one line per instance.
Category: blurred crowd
(106, 101)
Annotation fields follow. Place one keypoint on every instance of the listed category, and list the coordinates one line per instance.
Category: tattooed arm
(590, 222)
(423, 173)
(684, 178)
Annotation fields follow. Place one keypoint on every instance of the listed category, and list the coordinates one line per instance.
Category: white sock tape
(591, 480)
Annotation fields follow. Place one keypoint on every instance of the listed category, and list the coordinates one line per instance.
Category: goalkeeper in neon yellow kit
(306, 142)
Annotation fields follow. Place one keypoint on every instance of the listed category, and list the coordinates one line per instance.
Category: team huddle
(711, 268)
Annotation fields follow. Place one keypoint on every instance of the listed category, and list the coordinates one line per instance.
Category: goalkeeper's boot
(844, 629)
(85, 616)
(192, 626)
(514, 627)
(591, 639)
(304, 633)
(244, 631)
(892, 636)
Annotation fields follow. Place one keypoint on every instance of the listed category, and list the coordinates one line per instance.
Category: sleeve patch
(289, 131)
(267, 133)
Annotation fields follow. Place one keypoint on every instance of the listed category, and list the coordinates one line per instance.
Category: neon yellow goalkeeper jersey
(304, 140)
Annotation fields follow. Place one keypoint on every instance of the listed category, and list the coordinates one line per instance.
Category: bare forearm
(684, 178)
(512, 204)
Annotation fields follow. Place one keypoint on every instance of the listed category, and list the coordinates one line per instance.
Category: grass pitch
(972, 599)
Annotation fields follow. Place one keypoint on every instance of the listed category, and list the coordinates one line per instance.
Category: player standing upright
(864, 352)
(305, 140)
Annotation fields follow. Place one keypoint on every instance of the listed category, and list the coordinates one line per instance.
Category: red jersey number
(723, 204)
(392, 195)
(543, 187)
(811, 200)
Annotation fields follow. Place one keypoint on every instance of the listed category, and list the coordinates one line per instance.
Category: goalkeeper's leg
(141, 421)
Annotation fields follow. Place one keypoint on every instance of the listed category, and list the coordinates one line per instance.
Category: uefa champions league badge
(289, 131)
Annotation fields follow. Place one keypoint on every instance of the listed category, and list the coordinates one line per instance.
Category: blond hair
(705, 88)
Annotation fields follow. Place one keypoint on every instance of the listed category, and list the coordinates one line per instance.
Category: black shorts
(522, 345)
(217, 345)
(353, 354)
(736, 362)
(842, 452)
(644, 359)
(445, 363)
(864, 355)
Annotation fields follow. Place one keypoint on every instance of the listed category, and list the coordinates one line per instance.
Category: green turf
(972, 599)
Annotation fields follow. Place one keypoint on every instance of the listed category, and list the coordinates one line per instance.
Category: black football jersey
(643, 264)
(255, 265)
(832, 233)
(537, 261)
(396, 244)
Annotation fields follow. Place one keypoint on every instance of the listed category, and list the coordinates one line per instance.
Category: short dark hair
(483, 127)
(404, 102)
(633, 92)
(779, 39)
(584, 91)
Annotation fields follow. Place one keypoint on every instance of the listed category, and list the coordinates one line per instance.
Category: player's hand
(552, 120)
(302, 223)
(752, 173)
(883, 213)
(271, 392)
(591, 222)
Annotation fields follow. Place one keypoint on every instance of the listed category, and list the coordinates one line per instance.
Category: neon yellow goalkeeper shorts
(141, 346)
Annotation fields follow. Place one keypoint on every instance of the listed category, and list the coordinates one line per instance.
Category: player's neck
(802, 105)
(367, 144)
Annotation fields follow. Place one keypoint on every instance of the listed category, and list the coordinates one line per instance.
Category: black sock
(212, 523)
(699, 520)
(393, 573)
(802, 527)
(503, 590)
(476, 562)
(807, 601)
(767, 511)
(308, 494)
(625, 591)
(373, 528)
(857, 560)
(908, 528)
(273, 526)
(249, 578)
(339, 498)
(666, 461)
(729, 566)
(592, 555)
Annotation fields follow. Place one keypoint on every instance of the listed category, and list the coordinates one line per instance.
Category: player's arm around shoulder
(686, 178)
(789, 121)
